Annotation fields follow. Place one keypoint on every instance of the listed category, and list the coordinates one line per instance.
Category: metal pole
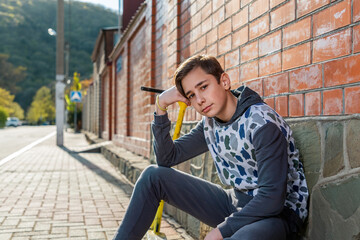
(60, 85)
(75, 118)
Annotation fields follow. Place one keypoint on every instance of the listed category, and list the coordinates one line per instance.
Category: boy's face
(206, 95)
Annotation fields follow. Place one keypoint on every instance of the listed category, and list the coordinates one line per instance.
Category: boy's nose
(200, 99)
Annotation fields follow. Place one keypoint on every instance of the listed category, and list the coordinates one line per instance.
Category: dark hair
(208, 63)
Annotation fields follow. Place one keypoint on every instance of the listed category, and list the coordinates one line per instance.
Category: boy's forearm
(169, 153)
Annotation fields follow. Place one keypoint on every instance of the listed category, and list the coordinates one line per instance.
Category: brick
(217, 4)
(257, 8)
(256, 85)
(356, 38)
(241, 18)
(276, 84)
(195, 33)
(234, 74)
(332, 102)
(200, 5)
(333, 46)
(195, 20)
(297, 32)
(332, 18)
(221, 61)
(249, 71)
(206, 11)
(245, 2)
(212, 50)
(231, 7)
(270, 43)
(281, 106)
(240, 37)
(342, 71)
(356, 11)
(297, 56)
(283, 15)
(352, 100)
(224, 45)
(274, 3)
(225, 28)
(184, 29)
(259, 27)
(270, 64)
(306, 78)
(218, 16)
(296, 105)
(249, 52)
(313, 103)
(306, 6)
(212, 36)
(232, 59)
(200, 43)
(206, 25)
(270, 102)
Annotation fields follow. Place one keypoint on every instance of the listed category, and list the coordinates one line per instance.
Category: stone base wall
(330, 151)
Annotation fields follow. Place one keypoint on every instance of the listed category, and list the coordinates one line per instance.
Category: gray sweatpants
(204, 200)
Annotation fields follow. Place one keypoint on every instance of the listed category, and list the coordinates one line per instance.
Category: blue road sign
(75, 96)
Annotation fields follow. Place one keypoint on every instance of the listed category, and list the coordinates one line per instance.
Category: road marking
(24, 149)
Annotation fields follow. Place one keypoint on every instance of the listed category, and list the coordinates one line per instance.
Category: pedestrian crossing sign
(75, 96)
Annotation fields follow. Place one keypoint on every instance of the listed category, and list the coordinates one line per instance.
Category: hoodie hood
(246, 97)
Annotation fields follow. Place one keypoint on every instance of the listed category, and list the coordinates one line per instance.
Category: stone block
(334, 150)
(343, 197)
(308, 141)
(352, 142)
(334, 211)
(193, 225)
(181, 217)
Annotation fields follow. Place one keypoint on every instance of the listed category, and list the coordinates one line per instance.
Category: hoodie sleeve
(271, 156)
(168, 152)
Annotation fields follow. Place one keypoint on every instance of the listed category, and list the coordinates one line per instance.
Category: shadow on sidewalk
(124, 185)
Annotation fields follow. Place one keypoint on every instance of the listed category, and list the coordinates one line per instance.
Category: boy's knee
(153, 174)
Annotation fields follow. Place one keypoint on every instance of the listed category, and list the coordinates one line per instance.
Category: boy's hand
(214, 235)
(168, 97)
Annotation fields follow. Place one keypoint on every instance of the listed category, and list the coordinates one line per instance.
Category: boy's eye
(203, 87)
(191, 96)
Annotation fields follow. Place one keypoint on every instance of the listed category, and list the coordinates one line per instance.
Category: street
(51, 192)
(13, 139)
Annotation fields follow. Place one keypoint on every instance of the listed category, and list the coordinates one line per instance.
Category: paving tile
(55, 193)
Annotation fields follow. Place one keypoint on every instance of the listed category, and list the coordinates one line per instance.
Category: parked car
(13, 122)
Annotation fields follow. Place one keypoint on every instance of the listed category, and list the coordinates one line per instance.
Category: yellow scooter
(154, 232)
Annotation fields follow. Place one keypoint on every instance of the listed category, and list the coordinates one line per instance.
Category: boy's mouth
(207, 109)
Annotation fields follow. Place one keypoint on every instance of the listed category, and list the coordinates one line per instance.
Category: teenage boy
(253, 151)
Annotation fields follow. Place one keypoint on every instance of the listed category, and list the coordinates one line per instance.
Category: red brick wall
(132, 109)
(105, 106)
(301, 56)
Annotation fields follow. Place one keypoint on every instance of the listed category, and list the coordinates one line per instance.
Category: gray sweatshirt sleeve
(168, 152)
(271, 156)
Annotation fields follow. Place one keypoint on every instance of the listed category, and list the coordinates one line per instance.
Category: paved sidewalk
(58, 193)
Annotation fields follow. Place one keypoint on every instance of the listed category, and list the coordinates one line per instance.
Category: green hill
(25, 39)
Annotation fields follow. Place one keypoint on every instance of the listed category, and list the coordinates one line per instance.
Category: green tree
(7, 103)
(24, 38)
(3, 117)
(10, 76)
(42, 107)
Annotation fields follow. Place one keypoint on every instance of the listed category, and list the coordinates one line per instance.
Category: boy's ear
(225, 81)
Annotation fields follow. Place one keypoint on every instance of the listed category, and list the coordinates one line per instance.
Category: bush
(3, 117)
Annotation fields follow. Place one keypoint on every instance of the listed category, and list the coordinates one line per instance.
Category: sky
(112, 4)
